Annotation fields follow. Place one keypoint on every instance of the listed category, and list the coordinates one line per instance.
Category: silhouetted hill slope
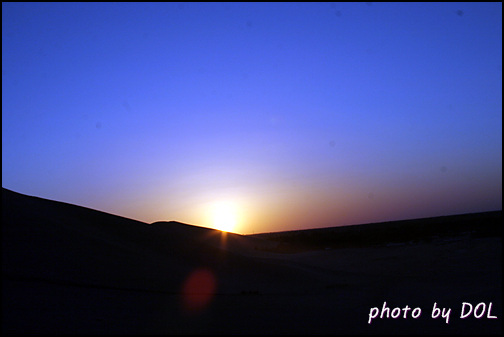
(58, 241)
(485, 224)
(68, 269)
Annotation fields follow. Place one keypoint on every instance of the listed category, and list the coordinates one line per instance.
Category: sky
(274, 116)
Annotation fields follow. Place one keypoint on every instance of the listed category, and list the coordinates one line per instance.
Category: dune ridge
(71, 269)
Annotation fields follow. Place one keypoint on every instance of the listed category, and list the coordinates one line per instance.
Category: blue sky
(299, 115)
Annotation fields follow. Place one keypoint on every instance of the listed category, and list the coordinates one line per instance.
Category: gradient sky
(300, 115)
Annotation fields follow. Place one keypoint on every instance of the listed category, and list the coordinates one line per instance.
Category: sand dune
(70, 269)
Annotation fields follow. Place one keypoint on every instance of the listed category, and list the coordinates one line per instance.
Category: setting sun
(224, 217)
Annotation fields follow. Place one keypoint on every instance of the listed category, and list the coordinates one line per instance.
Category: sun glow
(224, 217)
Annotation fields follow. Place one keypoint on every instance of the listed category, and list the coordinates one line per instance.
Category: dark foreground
(68, 269)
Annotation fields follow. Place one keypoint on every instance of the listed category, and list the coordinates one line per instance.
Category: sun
(224, 217)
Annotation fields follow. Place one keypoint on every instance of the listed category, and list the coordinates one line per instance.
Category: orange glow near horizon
(253, 207)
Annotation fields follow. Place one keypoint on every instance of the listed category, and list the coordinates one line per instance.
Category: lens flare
(198, 290)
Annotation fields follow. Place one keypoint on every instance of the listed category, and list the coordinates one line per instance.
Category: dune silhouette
(58, 241)
(71, 269)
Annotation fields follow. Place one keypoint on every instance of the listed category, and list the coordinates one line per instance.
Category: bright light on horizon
(224, 216)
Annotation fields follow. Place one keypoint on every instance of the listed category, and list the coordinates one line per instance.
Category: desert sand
(67, 269)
